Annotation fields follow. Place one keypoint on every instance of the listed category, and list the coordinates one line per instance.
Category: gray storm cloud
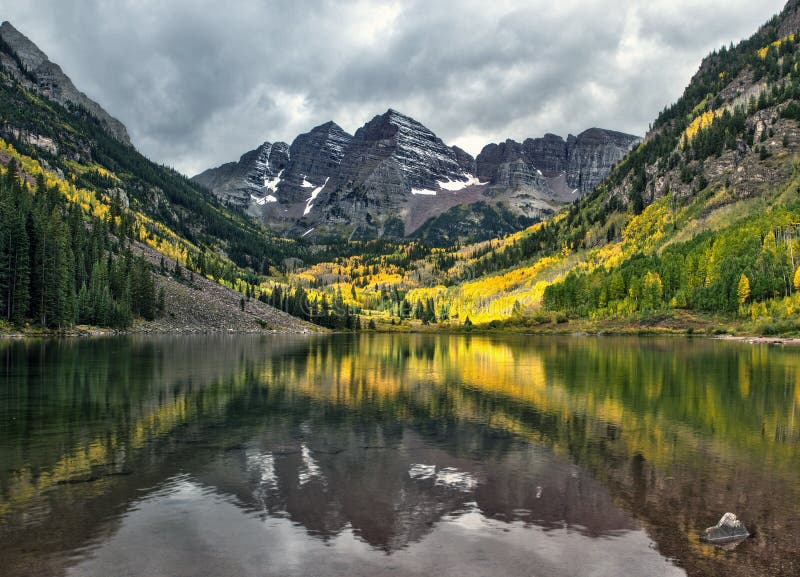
(199, 82)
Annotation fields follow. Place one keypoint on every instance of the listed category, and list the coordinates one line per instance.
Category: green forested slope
(75, 203)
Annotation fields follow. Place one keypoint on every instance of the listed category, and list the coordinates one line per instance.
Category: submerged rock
(728, 530)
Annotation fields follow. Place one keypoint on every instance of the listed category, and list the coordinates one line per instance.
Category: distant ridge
(395, 178)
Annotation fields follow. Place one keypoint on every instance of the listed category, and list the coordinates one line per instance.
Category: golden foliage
(702, 121)
(762, 53)
(646, 231)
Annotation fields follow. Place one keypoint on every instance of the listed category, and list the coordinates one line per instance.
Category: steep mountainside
(395, 178)
(30, 67)
(251, 180)
(277, 182)
(578, 164)
(80, 205)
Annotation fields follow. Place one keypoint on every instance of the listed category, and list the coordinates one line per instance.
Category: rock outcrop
(253, 180)
(728, 530)
(584, 160)
(278, 182)
(391, 159)
(314, 157)
(394, 175)
(32, 68)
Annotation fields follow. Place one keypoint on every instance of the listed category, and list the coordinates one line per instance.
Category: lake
(396, 455)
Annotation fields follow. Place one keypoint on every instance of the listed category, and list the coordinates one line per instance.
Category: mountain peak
(326, 126)
(789, 19)
(396, 117)
(392, 112)
(34, 70)
(28, 52)
(604, 135)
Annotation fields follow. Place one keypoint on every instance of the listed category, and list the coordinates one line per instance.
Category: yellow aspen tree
(743, 290)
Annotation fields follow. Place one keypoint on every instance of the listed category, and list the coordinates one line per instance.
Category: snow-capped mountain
(395, 178)
(314, 157)
(253, 180)
(278, 182)
(391, 160)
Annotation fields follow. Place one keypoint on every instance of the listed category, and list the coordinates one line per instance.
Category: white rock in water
(727, 530)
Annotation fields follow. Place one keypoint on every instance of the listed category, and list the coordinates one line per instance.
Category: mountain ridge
(32, 68)
(94, 233)
(395, 175)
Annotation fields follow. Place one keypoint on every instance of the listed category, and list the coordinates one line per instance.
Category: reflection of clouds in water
(224, 540)
(446, 477)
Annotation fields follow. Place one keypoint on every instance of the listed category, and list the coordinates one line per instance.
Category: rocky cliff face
(315, 157)
(391, 159)
(593, 153)
(30, 66)
(545, 164)
(394, 175)
(253, 180)
(394, 155)
(278, 182)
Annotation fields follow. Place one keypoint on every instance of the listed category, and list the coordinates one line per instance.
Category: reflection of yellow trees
(672, 401)
(666, 403)
(157, 419)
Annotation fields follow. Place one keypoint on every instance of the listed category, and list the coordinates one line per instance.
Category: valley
(694, 230)
(479, 337)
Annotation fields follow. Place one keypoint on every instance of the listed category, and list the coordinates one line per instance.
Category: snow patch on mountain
(423, 191)
(272, 183)
(314, 194)
(456, 185)
(261, 201)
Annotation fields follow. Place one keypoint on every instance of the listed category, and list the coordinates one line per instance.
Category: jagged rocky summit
(579, 162)
(32, 68)
(395, 178)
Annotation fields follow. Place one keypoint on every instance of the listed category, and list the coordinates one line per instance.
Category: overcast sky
(199, 82)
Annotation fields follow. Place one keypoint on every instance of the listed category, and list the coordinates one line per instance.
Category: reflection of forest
(341, 431)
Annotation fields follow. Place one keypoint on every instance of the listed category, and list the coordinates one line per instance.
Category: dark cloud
(199, 82)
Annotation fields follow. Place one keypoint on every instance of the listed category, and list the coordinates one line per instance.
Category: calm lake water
(396, 455)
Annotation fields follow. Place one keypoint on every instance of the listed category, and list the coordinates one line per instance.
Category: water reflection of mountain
(388, 436)
(393, 494)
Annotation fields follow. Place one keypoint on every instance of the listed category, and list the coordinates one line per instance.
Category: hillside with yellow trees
(698, 228)
(93, 234)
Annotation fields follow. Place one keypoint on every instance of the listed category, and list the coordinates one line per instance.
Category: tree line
(733, 271)
(59, 267)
